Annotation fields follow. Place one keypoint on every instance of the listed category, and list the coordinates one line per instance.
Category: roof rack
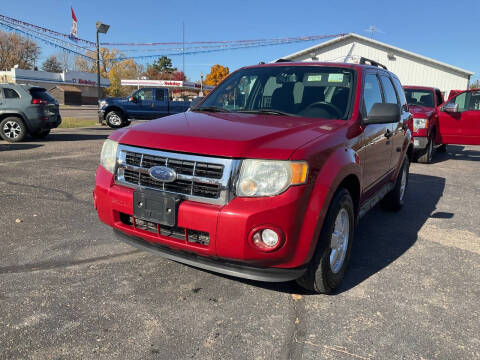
(364, 61)
(282, 60)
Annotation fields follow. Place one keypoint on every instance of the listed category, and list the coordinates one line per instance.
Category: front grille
(183, 167)
(199, 178)
(186, 187)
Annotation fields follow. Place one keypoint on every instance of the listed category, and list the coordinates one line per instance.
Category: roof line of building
(378, 43)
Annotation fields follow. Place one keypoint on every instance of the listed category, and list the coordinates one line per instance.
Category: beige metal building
(411, 68)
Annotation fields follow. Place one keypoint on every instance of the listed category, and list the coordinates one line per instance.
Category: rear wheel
(426, 157)
(12, 129)
(114, 119)
(327, 268)
(395, 199)
(41, 134)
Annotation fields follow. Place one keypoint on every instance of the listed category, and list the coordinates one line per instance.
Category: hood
(423, 111)
(228, 134)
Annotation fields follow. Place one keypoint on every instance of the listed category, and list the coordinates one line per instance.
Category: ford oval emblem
(163, 174)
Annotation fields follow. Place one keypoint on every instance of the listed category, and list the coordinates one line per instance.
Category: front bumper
(214, 264)
(420, 142)
(230, 227)
(101, 115)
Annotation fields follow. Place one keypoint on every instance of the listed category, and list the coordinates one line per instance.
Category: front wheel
(114, 119)
(395, 199)
(426, 157)
(12, 129)
(327, 268)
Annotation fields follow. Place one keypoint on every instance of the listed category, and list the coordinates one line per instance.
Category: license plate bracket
(156, 207)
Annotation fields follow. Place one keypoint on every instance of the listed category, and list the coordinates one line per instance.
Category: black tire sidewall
(23, 129)
(319, 276)
(115, 113)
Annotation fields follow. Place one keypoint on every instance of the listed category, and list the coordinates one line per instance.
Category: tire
(114, 119)
(41, 134)
(12, 129)
(395, 199)
(126, 122)
(442, 148)
(426, 157)
(326, 270)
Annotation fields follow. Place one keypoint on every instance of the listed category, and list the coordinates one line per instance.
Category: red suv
(267, 177)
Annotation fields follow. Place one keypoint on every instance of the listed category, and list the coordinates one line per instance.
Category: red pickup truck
(267, 177)
(436, 124)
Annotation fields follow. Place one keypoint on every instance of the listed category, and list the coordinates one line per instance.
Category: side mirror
(382, 113)
(451, 108)
(131, 99)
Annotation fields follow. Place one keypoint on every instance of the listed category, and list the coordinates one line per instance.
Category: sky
(443, 30)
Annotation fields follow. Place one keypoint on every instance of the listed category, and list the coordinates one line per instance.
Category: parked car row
(437, 123)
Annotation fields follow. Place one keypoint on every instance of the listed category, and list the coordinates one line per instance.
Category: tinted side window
(10, 93)
(388, 90)
(160, 94)
(144, 94)
(474, 101)
(400, 92)
(371, 92)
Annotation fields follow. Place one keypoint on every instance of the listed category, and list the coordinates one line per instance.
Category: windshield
(420, 97)
(307, 91)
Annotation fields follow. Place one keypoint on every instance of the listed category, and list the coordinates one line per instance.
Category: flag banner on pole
(74, 31)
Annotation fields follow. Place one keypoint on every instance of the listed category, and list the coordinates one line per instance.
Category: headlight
(419, 124)
(269, 177)
(102, 103)
(108, 157)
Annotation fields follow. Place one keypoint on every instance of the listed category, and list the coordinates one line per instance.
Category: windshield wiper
(265, 111)
(210, 108)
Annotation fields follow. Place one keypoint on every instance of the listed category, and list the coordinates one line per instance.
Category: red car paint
(462, 127)
(339, 153)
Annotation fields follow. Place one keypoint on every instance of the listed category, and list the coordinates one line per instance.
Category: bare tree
(17, 50)
(67, 61)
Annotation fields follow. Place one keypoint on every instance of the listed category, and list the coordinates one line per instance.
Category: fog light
(266, 239)
(270, 237)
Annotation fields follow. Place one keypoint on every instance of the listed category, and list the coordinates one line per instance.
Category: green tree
(52, 65)
(163, 64)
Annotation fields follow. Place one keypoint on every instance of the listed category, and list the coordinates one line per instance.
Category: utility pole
(183, 48)
(101, 28)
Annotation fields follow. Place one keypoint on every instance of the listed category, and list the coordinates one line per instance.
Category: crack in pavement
(15, 269)
(295, 338)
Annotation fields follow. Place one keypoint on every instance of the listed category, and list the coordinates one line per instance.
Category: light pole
(101, 28)
(201, 84)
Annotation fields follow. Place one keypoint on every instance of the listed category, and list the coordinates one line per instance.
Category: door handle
(388, 134)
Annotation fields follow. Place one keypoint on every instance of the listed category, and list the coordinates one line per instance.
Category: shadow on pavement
(18, 146)
(456, 152)
(382, 236)
(74, 137)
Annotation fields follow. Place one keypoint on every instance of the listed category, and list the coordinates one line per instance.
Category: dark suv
(26, 109)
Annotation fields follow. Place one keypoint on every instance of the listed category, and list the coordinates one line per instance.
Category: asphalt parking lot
(68, 290)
